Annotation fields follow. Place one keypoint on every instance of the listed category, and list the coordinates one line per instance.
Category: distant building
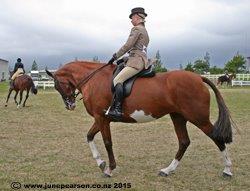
(248, 64)
(4, 70)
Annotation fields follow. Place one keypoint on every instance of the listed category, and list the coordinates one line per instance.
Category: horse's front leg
(90, 138)
(106, 135)
(10, 90)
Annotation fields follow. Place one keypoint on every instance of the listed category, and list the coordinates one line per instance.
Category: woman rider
(136, 46)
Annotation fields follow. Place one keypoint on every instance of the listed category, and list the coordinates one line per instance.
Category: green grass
(44, 143)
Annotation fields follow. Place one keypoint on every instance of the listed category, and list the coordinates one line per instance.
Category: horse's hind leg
(8, 97)
(16, 97)
(27, 95)
(21, 97)
(208, 128)
(182, 134)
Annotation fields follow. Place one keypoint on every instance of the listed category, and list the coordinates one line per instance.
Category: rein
(86, 79)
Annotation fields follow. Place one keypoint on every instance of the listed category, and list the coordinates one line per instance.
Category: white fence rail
(240, 83)
(44, 84)
(240, 80)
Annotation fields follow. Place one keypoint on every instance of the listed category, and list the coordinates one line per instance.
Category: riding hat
(19, 60)
(138, 10)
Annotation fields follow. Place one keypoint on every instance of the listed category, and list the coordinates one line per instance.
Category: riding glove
(114, 57)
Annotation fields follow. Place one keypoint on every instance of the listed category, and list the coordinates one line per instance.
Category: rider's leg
(116, 109)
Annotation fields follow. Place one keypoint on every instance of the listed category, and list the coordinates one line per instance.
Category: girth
(128, 84)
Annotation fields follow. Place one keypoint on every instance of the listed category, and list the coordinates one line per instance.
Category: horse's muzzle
(69, 105)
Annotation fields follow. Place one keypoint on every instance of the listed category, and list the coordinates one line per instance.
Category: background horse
(21, 83)
(181, 94)
(226, 78)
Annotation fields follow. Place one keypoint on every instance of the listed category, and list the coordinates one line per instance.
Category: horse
(181, 94)
(21, 83)
(226, 78)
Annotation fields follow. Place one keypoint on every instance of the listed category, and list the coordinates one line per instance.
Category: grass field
(44, 143)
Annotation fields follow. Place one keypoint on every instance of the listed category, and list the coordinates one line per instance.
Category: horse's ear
(49, 73)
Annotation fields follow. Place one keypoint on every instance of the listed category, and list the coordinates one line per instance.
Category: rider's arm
(16, 67)
(134, 34)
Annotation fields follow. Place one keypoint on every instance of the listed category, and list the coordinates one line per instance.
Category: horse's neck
(82, 72)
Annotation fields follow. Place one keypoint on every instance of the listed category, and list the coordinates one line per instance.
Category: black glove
(114, 57)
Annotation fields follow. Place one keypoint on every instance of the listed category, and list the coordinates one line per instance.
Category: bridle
(78, 85)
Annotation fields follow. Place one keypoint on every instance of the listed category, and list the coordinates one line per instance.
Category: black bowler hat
(19, 60)
(137, 10)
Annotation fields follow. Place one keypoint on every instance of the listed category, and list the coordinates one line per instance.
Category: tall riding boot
(115, 111)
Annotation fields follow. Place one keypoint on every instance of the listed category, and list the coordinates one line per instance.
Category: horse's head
(66, 89)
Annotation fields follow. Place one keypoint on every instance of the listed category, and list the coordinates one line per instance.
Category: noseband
(58, 85)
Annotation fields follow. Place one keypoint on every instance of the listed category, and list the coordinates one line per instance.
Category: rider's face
(135, 20)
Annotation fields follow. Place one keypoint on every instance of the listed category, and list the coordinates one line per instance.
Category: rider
(18, 69)
(136, 46)
(226, 74)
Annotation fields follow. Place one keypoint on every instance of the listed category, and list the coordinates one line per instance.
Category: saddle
(128, 84)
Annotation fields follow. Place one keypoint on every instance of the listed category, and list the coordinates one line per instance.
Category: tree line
(201, 66)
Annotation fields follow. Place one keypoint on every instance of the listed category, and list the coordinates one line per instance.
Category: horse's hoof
(163, 174)
(226, 175)
(107, 172)
(107, 175)
(5, 105)
(102, 166)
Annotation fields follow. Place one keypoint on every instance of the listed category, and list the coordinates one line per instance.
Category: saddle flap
(128, 84)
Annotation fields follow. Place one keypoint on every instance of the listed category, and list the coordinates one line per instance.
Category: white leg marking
(141, 117)
(227, 162)
(171, 167)
(96, 154)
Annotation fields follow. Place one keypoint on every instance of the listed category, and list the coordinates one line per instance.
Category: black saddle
(128, 84)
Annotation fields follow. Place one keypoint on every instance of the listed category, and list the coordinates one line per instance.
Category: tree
(207, 59)
(215, 70)
(201, 66)
(34, 66)
(237, 64)
(95, 59)
(158, 64)
(180, 67)
(189, 67)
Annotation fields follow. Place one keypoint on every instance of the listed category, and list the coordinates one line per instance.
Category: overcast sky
(57, 31)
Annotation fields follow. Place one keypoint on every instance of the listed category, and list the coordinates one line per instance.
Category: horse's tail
(222, 128)
(33, 87)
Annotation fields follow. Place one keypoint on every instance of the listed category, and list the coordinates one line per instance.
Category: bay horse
(21, 83)
(226, 78)
(181, 94)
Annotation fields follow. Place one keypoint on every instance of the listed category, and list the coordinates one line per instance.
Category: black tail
(222, 127)
(33, 87)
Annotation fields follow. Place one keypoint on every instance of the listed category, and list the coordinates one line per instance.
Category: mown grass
(44, 143)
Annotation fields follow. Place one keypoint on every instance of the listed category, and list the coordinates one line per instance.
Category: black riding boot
(115, 111)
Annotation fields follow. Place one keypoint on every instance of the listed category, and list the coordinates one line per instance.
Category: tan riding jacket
(136, 46)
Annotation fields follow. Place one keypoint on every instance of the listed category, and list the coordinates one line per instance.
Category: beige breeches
(125, 74)
(17, 73)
